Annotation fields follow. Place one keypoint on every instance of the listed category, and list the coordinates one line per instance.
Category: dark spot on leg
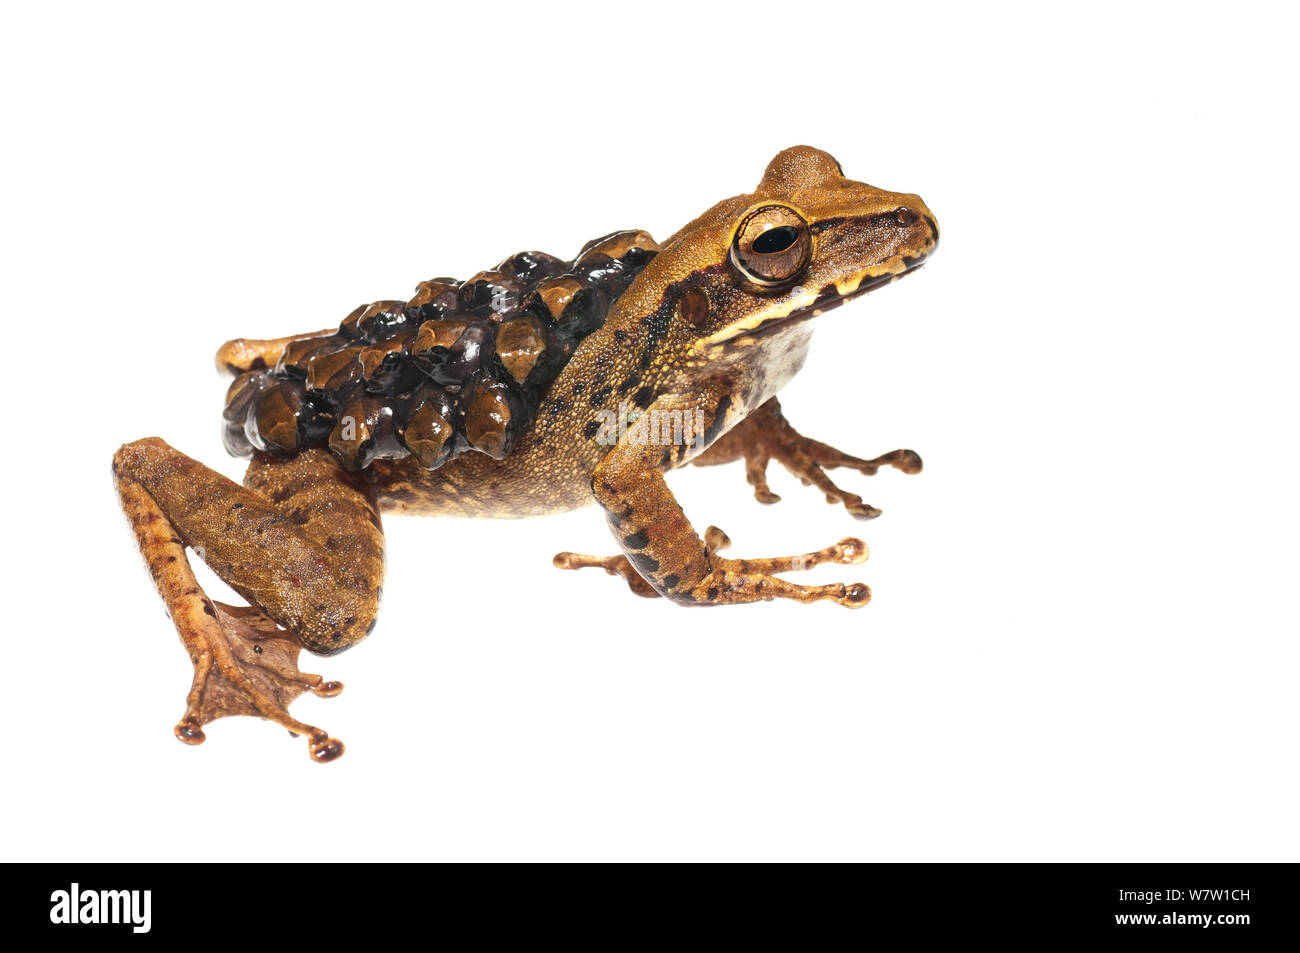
(644, 563)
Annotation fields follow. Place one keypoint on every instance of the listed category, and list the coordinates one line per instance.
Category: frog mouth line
(831, 298)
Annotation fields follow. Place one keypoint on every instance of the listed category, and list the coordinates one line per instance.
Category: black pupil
(776, 240)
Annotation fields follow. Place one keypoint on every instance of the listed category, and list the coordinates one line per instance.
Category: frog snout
(915, 216)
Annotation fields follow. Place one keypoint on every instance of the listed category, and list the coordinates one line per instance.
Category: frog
(515, 411)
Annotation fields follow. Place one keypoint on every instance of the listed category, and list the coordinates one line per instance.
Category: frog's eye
(772, 245)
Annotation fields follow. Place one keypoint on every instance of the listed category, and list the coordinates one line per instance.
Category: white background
(1083, 638)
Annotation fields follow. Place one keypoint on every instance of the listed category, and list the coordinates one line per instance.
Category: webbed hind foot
(245, 664)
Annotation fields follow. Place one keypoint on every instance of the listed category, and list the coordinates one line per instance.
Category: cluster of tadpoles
(461, 366)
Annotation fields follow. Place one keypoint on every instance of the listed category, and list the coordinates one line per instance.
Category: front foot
(614, 565)
(247, 665)
(807, 458)
(765, 435)
(736, 581)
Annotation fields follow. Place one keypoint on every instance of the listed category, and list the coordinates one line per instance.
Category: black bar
(1221, 903)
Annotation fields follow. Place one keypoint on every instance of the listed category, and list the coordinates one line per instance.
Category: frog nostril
(905, 217)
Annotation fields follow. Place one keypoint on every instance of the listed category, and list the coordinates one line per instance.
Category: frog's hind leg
(766, 435)
(301, 541)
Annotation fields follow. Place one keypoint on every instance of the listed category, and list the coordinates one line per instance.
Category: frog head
(762, 264)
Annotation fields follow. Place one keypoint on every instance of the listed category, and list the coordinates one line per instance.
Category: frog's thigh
(663, 547)
(766, 435)
(302, 544)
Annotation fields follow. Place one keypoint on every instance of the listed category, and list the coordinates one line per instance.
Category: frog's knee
(342, 628)
(131, 456)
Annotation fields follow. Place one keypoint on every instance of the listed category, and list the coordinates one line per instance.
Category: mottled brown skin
(712, 328)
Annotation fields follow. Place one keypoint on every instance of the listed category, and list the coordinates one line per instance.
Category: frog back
(459, 368)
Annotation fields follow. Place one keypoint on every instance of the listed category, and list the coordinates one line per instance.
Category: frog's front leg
(766, 435)
(301, 541)
(849, 550)
(663, 548)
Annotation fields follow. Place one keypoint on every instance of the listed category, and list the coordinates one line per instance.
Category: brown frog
(537, 387)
